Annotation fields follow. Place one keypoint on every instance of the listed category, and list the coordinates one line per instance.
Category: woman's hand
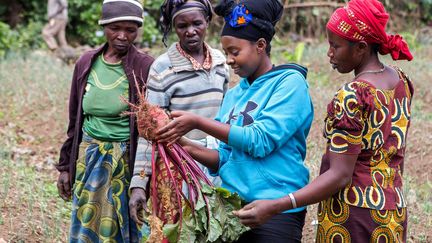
(63, 186)
(183, 123)
(137, 202)
(257, 213)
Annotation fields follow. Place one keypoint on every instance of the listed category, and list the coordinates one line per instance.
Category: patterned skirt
(100, 210)
(340, 222)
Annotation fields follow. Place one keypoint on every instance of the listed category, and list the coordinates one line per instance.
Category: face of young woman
(120, 35)
(241, 55)
(190, 28)
(342, 53)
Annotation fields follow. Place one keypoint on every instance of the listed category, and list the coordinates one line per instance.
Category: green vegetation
(21, 21)
(24, 32)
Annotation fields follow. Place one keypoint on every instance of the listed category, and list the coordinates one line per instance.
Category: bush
(6, 38)
(20, 39)
(84, 15)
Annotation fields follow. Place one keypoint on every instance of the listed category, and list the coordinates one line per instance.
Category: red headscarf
(366, 20)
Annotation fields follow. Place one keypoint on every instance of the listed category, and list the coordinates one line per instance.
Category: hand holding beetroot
(183, 123)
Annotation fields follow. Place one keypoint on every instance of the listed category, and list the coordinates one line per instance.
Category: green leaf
(223, 192)
(200, 202)
(214, 231)
(187, 231)
(171, 231)
(206, 189)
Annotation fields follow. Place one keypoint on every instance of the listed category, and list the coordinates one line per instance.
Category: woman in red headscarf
(360, 184)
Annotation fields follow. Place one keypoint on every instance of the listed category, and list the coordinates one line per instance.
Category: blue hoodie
(270, 120)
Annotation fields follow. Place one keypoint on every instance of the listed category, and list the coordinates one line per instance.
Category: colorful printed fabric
(340, 222)
(207, 64)
(100, 210)
(372, 123)
(363, 20)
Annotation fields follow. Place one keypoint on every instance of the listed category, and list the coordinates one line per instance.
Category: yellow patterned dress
(373, 124)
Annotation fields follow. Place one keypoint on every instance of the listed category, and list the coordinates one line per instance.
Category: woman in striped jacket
(190, 76)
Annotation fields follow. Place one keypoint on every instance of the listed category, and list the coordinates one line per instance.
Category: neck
(265, 66)
(371, 63)
(197, 54)
(112, 56)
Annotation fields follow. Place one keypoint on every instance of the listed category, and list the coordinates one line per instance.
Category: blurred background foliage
(21, 21)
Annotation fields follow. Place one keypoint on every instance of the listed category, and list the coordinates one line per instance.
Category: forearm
(142, 166)
(208, 157)
(214, 128)
(323, 187)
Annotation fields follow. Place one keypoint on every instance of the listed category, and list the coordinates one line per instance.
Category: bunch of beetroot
(205, 213)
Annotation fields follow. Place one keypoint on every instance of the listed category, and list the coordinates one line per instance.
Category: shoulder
(353, 90)
(216, 54)
(355, 96)
(289, 76)
(161, 63)
(144, 56)
(87, 57)
(141, 57)
(407, 80)
(234, 91)
(292, 68)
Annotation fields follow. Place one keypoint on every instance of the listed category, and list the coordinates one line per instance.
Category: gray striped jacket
(173, 84)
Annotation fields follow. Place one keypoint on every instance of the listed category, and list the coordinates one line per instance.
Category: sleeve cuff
(235, 136)
(215, 173)
(139, 181)
(62, 168)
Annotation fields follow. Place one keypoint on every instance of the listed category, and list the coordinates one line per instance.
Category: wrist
(138, 190)
(198, 122)
(283, 204)
(293, 201)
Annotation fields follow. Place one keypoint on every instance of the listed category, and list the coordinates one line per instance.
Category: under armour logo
(247, 119)
(231, 116)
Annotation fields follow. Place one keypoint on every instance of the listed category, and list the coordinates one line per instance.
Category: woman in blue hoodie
(262, 124)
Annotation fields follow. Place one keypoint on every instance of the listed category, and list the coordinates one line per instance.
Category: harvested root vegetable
(205, 213)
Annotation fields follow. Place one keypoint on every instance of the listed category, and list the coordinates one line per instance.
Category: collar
(182, 63)
(90, 57)
(195, 64)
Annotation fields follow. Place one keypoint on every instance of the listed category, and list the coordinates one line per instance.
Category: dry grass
(33, 107)
(33, 103)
